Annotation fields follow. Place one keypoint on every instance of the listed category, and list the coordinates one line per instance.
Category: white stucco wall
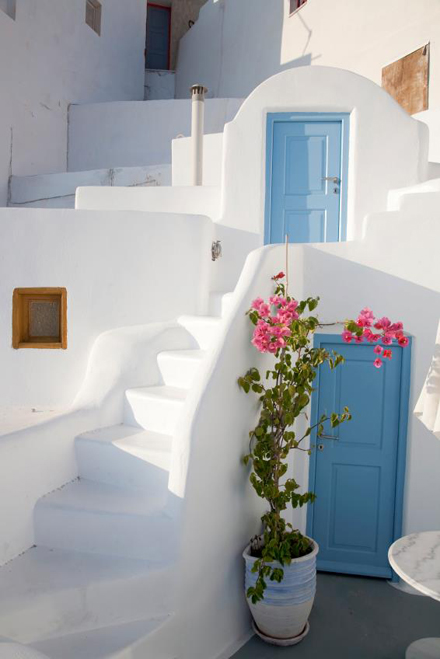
(245, 42)
(119, 269)
(198, 200)
(387, 148)
(50, 58)
(347, 276)
(212, 160)
(159, 85)
(134, 134)
(432, 119)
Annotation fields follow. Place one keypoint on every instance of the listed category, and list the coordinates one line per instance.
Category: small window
(9, 7)
(39, 318)
(93, 15)
(407, 80)
(296, 4)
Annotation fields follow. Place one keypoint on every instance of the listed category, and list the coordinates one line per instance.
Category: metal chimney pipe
(197, 131)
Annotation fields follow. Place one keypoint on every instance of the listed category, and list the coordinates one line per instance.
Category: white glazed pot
(285, 609)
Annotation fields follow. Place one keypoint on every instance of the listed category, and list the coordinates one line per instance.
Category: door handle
(335, 179)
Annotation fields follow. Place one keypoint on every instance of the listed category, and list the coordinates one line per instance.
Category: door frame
(169, 10)
(276, 117)
(405, 384)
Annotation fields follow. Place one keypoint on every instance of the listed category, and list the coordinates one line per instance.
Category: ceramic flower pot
(283, 613)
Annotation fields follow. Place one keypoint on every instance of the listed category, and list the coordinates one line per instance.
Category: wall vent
(39, 318)
(9, 7)
(93, 15)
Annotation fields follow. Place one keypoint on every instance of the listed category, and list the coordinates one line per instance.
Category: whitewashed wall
(245, 42)
(387, 148)
(50, 58)
(402, 283)
(134, 134)
(119, 269)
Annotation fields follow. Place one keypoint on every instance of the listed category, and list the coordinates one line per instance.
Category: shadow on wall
(237, 46)
(308, 35)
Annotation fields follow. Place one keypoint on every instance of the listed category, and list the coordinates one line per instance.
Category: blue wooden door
(158, 37)
(355, 472)
(304, 181)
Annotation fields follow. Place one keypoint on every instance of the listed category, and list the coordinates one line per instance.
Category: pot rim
(246, 554)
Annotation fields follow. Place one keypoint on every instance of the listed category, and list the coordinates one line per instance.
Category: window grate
(39, 318)
(93, 15)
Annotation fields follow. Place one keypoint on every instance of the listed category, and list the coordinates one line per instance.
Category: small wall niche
(39, 318)
(9, 7)
(93, 15)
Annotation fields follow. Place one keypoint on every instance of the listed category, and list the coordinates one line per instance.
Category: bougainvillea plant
(284, 327)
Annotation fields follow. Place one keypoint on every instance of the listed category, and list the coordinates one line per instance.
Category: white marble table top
(416, 559)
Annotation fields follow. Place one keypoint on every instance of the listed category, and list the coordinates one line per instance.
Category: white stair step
(180, 367)
(154, 408)
(46, 593)
(114, 642)
(101, 519)
(427, 203)
(126, 457)
(220, 303)
(397, 196)
(203, 328)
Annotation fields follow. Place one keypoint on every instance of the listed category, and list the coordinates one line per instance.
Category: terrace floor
(357, 618)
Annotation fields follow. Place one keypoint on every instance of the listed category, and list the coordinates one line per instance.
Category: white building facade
(124, 504)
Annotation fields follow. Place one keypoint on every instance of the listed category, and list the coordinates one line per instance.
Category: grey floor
(357, 618)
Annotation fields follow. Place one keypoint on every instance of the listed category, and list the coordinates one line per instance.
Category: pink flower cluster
(272, 327)
(387, 332)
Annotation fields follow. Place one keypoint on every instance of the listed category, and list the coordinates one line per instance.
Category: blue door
(306, 179)
(357, 469)
(158, 37)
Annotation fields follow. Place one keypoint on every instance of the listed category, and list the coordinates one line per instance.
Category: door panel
(158, 37)
(306, 226)
(303, 204)
(355, 472)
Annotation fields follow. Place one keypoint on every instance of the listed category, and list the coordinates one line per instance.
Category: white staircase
(421, 198)
(101, 579)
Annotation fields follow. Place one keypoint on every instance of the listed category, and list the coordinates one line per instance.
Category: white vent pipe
(197, 130)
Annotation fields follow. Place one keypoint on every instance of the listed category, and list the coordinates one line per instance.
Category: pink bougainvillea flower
(347, 336)
(387, 354)
(387, 340)
(378, 349)
(280, 275)
(367, 315)
(359, 339)
(264, 310)
(285, 316)
(368, 335)
(378, 362)
(383, 323)
(365, 318)
(256, 304)
(395, 327)
(279, 331)
(403, 341)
